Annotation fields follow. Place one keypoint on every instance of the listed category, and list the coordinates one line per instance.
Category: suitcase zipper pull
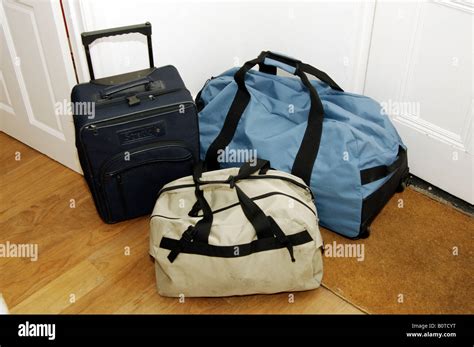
(133, 100)
(93, 127)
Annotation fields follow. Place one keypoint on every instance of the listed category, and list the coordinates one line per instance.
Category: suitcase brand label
(141, 133)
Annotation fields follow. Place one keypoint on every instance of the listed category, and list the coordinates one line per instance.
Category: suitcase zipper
(145, 148)
(119, 178)
(118, 174)
(134, 115)
(123, 119)
(121, 193)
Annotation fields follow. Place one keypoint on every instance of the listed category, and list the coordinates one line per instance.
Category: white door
(36, 78)
(421, 68)
(214, 35)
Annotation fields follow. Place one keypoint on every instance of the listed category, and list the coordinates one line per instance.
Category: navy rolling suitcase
(142, 133)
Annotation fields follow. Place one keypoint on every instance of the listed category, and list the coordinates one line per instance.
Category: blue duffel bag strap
(306, 156)
(265, 226)
(378, 172)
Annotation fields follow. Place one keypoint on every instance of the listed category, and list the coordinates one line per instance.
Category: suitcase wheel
(365, 233)
(401, 187)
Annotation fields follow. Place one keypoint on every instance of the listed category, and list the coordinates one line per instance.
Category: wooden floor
(82, 264)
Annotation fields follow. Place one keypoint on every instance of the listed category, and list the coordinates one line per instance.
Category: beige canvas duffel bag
(235, 232)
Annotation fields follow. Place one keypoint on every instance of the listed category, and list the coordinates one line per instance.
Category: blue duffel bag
(341, 144)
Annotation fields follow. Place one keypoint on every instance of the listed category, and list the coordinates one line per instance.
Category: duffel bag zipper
(255, 198)
(287, 179)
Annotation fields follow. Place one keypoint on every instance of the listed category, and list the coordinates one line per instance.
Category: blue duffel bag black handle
(353, 164)
(268, 62)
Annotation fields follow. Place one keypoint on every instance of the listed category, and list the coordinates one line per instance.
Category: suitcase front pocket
(130, 181)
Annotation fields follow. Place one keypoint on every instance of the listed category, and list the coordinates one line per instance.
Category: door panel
(421, 69)
(37, 75)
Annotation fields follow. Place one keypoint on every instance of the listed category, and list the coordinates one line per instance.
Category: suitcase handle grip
(91, 36)
(107, 92)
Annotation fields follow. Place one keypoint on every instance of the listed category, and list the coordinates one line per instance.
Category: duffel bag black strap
(309, 69)
(307, 153)
(255, 215)
(247, 169)
(268, 69)
(320, 75)
(282, 238)
(237, 108)
(264, 226)
(187, 236)
(203, 226)
(378, 172)
(200, 232)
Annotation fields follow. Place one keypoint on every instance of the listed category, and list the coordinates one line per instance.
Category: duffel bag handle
(253, 213)
(265, 226)
(280, 61)
(307, 153)
(290, 65)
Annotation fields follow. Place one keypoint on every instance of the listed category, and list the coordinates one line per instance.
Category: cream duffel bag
(249, 231)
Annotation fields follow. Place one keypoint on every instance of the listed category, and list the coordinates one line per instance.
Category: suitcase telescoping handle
(91, 36)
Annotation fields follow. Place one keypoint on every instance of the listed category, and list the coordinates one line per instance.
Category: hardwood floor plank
(63, 291)
(80, 254)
